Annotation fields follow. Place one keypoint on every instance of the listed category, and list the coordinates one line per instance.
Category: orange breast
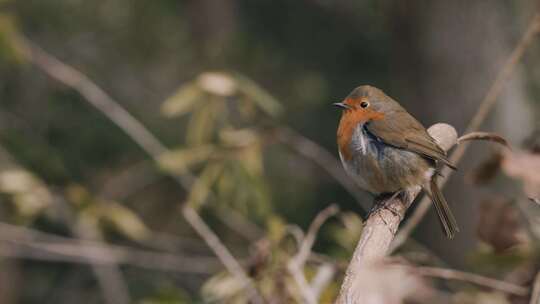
(349, 120)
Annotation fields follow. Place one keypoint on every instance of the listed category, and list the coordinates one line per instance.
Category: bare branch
(324, 276)
(21, 242)
(296, 264)
(220, 250)
(451, 274)
(481, 114)
(309, 240)
(484, 136)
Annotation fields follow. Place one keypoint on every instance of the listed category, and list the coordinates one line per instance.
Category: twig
(381, 226)
(220, 250)
(487, 136)
(136, 131)
(109, 276)
(320, 156)
(451, 274)
(309, 239)
(15, 242)
(296, 264)
(481, 114)
(535, 296)
(324, 276)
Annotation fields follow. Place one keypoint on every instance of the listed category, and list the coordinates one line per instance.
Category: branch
(97, 97)
(296, 264)
(451, 274)
(382, 225)
(220, 250)
(481, 114)
(21, 242)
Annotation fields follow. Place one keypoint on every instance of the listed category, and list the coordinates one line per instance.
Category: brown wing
(408, 134)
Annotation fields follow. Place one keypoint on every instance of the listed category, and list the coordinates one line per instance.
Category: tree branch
(451, 274)
(295, 266)
(21, 242)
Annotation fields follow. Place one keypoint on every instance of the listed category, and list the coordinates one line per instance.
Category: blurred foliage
(211, 79)
(222, 137)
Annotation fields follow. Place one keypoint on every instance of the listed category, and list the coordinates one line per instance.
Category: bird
(387, 151)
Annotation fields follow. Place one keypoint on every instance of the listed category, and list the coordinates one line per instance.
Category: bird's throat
(349, 122)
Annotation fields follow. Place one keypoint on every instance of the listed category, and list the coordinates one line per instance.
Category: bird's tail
(446, 218)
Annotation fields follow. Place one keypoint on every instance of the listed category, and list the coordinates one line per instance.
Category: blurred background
(131, 130)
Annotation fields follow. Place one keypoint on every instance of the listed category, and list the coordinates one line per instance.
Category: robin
(387, 151)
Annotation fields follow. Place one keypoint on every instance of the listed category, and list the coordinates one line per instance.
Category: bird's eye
(364, 104)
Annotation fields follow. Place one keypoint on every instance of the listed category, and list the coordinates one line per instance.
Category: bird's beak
(341, 105)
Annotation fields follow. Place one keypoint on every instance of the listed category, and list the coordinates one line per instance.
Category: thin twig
(324, 276)
(309, 239)
(481, 114)
(136, 131)
(451, 274)
(220, 250)
(109, 276)
(296, 264)
(535, 296)
(15, 242)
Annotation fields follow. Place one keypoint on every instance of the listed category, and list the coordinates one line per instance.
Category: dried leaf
(29, 194)
(389, 284)
(484, 136)
(217, 83)
(525, 167)
(500, 225)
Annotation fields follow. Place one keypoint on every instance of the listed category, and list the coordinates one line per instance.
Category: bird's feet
(381, 202)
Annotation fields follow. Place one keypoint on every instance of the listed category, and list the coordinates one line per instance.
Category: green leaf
(124, 220)
(181, 159)
(224, 288)
(29, 194)
(11, 46)
(201, 123)
(201, 188)
(183, 100)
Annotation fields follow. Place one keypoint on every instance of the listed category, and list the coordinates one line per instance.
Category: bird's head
(365, 103)
(362, 105)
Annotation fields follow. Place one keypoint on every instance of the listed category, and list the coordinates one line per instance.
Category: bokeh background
(235, 96)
